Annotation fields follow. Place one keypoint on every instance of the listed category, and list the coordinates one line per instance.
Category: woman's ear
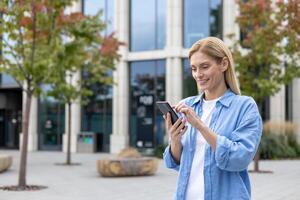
(224, 64)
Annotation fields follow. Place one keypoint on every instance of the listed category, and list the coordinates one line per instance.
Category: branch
(33, 36)
(22, 42)
(15, 57)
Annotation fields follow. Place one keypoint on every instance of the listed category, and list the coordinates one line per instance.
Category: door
(51, 123)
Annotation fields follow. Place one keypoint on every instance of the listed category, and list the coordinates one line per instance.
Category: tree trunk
(256, 161)
(69, 136)
(25, 126)
(257, 156)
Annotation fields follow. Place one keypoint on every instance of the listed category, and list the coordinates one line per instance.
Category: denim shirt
(238, 125)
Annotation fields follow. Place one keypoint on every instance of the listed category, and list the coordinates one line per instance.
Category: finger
(177, 123)
(181, 126)
(185, 111)
(181, 106)
(178, 106)
(182, 131)
(168, 120)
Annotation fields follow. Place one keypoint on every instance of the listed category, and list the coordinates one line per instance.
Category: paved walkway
(83, 182)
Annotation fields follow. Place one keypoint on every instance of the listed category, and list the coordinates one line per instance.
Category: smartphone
(165, 107)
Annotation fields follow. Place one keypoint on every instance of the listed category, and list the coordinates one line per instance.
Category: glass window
(189, 83)
(289, 102)
(7, 81)
(147, 25)
(91, 7)
(147, 85)
(97, 114)
(201, 19)
(51, 122)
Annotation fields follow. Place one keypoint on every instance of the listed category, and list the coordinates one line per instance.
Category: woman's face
(208, 74)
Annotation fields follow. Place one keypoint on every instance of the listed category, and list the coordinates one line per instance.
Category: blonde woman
(213, 144)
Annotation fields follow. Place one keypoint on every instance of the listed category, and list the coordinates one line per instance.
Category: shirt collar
(225, 100)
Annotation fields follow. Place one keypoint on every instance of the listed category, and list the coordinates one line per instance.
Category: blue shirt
(238, 125)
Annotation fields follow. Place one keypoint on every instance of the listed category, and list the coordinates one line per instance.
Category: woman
(213, 144)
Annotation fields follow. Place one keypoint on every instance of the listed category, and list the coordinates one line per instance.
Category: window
(147, 85)
(147, 25)
(91, 7)
(189, 84)
(201, 19)
(51, 121)
(289, 102)
(97, 114)
(7, 81)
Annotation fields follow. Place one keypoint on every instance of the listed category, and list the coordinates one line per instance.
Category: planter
(127, 166)
(5, 162)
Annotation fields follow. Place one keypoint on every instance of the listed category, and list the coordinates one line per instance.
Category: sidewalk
(83, 182)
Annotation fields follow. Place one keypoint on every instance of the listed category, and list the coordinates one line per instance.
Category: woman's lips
(202, 82)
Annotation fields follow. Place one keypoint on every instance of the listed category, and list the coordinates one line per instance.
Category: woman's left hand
(190, 115)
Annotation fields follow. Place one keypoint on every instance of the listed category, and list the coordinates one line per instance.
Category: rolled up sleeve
(169, 160)
(237, 153)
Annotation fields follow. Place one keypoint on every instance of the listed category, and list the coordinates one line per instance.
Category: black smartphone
(165, 107)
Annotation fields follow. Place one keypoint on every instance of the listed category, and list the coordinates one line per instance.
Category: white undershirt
(195, 189)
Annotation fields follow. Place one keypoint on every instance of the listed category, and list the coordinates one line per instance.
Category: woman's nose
(199, 74)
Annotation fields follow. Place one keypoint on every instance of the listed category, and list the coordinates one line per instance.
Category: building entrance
(10, 118)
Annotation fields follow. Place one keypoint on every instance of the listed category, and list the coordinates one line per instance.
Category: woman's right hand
(176, 130)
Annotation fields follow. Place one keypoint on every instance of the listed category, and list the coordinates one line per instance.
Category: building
(153, 67)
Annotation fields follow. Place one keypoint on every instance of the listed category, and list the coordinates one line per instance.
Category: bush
(274, 146)
(159, 150)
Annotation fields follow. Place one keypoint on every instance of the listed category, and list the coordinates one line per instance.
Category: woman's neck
(216, 92)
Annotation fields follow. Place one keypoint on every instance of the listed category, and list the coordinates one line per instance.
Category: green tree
(267, 55)
(86, 59)
(40, 44)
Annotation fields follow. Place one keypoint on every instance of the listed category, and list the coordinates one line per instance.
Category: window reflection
(51, 121)
(189, 84)
(97, 114)
(91, 7)
(147, 80)
(147, 24)
(201, 19)
(7, 81)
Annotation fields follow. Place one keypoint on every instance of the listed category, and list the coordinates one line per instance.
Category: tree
(37, 39)
(85, 53)
(267, 56)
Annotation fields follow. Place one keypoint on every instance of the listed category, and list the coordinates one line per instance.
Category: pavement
(82, 182)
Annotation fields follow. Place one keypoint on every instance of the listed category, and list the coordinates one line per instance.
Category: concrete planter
(5, 162)
(127, 166)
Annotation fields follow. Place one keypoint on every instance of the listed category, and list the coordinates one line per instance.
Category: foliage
(43, 44)
(279, 141)
(267, 56)
(274, 146)
(159, 150)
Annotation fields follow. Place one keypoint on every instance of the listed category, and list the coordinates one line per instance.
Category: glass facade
(96, 116)
(189, 83)
(147, 85)
(147, 25)
(289, 102)
(91, 7)
(7, 81)
(51, 122)
(201, 19)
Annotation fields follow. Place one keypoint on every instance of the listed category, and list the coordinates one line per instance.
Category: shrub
(159, 150)
(279, 141)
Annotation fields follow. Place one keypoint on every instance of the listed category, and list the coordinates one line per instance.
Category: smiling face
(208, 73)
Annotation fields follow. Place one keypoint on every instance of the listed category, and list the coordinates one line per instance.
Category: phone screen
(165, 107)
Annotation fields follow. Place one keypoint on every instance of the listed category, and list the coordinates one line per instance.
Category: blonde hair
(215, 48)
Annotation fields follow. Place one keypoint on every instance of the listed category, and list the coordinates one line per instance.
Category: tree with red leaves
(268, 55)
(42, 45)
